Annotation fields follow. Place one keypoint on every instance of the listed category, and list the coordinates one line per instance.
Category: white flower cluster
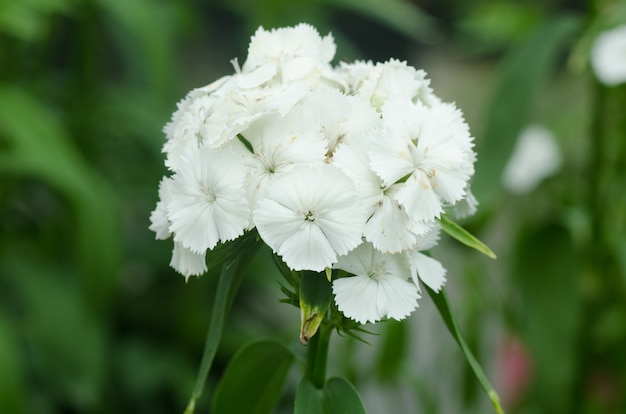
(346, 167)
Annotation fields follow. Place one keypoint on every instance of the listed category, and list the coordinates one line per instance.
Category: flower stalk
(317, 356)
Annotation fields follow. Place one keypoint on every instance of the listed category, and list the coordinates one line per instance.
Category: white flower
(195, 120)
(467, 206)
(388, 227)
(392, 79)
(379, 288)
(310, 216)
(536, 156)
(208, 202)
(428, 152)
(215, 119)
(341, 118)
(351, 75)
(237, 110)
(186, 262)
(287, 54)
(193, 125)
(608, 56)
(185, 103)
(279, 145)
(429, 270)
(158, 218)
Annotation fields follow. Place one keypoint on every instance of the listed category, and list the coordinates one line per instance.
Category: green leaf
(441, 302)
(227, 285)
(12, 391)
(525, 70)
(260, 369)
(337, 397)
(402, 15)
(465, 237)
(342, 397)
(309, 399)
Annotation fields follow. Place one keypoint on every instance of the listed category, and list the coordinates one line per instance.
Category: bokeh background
(92, 318)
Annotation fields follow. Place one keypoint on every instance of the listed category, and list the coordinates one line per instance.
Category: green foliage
(42, 150)
(543, 275)
(12, 392)
(462, 235)
(441, 302)
(227, 285)
(393, 350)
(29, 19)
(493, 25)
(510, 108)
(337, 396)
(254, 378)
(400, 15)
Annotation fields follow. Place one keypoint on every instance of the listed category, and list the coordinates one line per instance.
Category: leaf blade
(270, 358)
(337, 397)
(441, 302)
(465, 237)
(342, 397)
(227, 285)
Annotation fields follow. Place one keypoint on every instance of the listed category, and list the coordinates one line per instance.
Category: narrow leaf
(441, 302)
(227, 284)
(465, 237)
(259, 368)
(218, 315)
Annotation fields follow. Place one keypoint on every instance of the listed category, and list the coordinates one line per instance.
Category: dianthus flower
(346, 168)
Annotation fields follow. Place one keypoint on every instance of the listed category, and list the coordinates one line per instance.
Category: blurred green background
(93, 319)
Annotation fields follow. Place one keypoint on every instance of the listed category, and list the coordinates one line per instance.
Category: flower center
(310, 216)
(208, 192)
(267, 162)
(375, 271)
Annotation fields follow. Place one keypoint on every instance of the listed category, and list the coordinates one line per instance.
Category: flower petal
(186, 262)
(430, 271)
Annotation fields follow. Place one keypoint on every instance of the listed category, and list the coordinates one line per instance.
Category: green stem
(317, 355)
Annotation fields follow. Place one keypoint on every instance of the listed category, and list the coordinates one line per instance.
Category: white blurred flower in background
(608, 56)
(535, 157)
